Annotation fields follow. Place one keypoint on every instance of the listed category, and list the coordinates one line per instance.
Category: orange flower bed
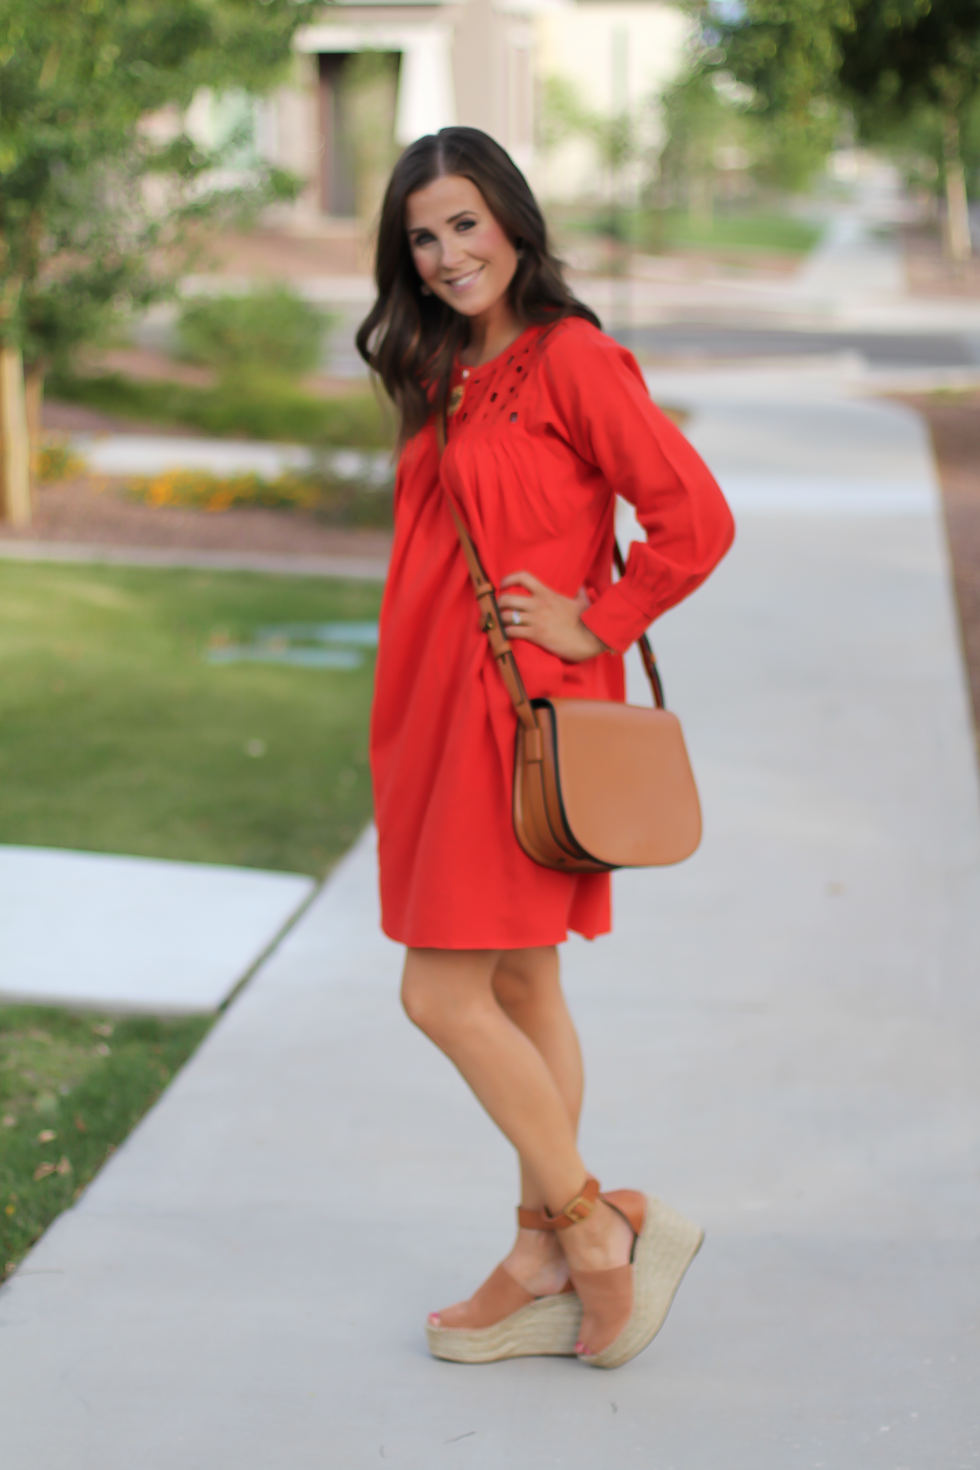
(200, 490)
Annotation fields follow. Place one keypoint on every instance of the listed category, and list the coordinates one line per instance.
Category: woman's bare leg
(527, 985)
(450, 995)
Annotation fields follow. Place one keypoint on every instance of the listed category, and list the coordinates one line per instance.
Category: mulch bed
(927, 270)
(94, 512)
(281, 255)
(78, 418)
(955, 425)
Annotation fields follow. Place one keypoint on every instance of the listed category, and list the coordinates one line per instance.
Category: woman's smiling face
(460, 251)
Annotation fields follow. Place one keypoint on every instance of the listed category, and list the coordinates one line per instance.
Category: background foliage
(99, 178)
(269, 331)
(906, 72)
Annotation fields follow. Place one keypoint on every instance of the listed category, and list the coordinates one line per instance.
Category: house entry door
(337, 155)
(358, 94)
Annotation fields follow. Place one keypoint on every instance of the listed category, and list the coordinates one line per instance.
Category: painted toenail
(434, 1318)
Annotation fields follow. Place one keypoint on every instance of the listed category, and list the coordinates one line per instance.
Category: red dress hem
(535, 942)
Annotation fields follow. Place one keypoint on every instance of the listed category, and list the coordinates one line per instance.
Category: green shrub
(271, 331)
(250, 409)
(273, 409)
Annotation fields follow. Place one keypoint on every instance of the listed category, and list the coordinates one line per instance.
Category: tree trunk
(33, 400)
(958, 244)
(15, 452)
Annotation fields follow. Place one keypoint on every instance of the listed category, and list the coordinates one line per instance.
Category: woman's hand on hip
(544, 617)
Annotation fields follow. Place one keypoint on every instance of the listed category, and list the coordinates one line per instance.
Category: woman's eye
(466, 224)
(425, 238)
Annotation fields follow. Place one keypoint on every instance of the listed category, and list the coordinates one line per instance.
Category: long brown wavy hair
(411, 341)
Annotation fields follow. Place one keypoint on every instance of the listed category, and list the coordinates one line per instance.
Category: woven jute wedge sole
(546, 1327)
(664, 1249)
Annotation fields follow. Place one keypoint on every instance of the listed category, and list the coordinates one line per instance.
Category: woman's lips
(462, 283)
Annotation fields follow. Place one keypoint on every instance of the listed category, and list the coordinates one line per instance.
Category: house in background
(370, 78)
(615, 57)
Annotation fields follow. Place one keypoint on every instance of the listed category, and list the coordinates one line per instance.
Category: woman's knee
(442, 996)
(525, 976)
(419, 1001)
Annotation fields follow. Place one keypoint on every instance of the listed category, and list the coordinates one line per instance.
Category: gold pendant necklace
(455, 399)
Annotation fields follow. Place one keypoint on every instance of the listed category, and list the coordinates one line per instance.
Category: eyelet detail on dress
(480, 406)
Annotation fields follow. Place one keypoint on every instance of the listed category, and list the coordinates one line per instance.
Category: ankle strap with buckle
(579, 1208)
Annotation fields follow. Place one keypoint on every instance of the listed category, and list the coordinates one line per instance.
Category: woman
(545, 420)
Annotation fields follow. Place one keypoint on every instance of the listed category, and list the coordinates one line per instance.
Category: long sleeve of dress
(605, 411)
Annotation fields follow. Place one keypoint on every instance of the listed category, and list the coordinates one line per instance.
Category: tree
(895, 64)
(788, 53)
(918, 55)
(698, 118)
(91, 197)
(617, 139)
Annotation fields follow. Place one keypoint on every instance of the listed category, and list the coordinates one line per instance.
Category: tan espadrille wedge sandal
(627, 1304)
(505, 1321)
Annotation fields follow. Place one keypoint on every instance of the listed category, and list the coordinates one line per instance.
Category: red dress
(544, 438)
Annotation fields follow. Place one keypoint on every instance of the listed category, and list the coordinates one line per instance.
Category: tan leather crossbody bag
(597, 784)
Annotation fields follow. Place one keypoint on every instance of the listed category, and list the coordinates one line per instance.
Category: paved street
(780, 1036)
(895, 350)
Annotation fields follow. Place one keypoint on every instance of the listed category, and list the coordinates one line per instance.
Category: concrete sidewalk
(781, 1040)
(157, 454)
(89, 929)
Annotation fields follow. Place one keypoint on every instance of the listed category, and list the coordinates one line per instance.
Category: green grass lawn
(71, 1088)
(746, 232)
(757, 232)
(117, 736)
(764, 231)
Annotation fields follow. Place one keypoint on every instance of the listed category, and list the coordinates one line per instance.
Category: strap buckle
(578, 1209)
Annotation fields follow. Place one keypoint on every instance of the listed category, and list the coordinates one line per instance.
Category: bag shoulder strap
(491, 622)
(643, 643)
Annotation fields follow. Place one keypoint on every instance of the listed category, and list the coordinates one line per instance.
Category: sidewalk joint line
(278, 938)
